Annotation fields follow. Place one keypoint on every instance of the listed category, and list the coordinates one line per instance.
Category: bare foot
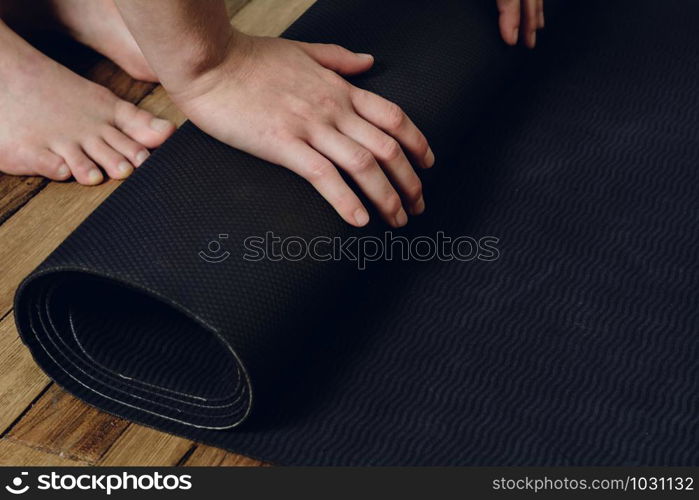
(98, 24)
(57, 124)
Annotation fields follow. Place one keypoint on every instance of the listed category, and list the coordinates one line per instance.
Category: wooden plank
(215, 457)
(64, 425)
(233, 6)
(21, 379)
(15, 191)
(270, 17)
(108, 74)
(17, 454)
(141, 445)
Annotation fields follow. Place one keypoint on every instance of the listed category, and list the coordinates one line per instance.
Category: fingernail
(94, 176)
(63, 171)
(516, 35)
(366, 56)
(361, 217)
(541, 19)
(532, 39)
(124, 168)
(141, 157)
(419, 207)
(160, 125)
(429, 158)
(401, 218)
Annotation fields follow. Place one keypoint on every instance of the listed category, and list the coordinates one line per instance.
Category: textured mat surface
(578, 345)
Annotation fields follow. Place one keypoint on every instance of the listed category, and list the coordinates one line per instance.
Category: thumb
(338, 58)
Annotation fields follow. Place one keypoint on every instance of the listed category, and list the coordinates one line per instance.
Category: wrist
(199, 55)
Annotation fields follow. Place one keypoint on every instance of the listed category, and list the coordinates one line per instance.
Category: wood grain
(21, 380)
(62, 424)
(57, 422)
(15, 191)
(145, 446)
(17, 454)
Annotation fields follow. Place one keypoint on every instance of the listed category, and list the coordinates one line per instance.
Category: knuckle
(335, 80)
(301, 107)
(334, 50)
(392, 203)
(414, 190)
(316, 170)
(361, 160)
(330, 104)
(391, 150)
(395, 116)
(280, 131)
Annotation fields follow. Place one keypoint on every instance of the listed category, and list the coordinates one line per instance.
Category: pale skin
(286, 102)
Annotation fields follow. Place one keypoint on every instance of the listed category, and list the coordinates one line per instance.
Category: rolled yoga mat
(575, 342)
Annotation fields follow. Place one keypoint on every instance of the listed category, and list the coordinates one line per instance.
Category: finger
(135, 152)
(84, 169)
(531, 22)
(361, 165)
(337, 58)
(390, 118)
(509, 20)
(540, 13)
(390, 156)
(300, 158)
(114, 163)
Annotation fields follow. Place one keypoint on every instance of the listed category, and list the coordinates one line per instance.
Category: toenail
(124, 168)
(63, 171)
(160, 125)
(141, 157)
(94, 176)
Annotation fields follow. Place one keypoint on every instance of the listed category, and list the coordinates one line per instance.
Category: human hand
(285, 102)
(521, 19)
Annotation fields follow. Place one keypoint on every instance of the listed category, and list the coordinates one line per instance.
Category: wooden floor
(40, 424)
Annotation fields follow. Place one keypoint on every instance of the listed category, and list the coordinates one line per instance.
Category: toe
(142, 126)
(84, 170)
(113, 162)
(52, 166)
(135, 152)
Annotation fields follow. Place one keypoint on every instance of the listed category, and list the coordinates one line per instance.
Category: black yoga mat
(575, 342)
